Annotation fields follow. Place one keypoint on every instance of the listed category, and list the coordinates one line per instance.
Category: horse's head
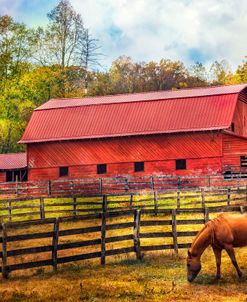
(193, 266)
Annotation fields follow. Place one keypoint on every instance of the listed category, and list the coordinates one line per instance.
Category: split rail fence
(92, 186)
(26, 208)
(133, 236)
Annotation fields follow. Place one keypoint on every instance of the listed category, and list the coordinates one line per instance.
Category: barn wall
(2, 176)
(233, 148)
(203, 151)
(129, 149)
(194, 167)
(240, 118)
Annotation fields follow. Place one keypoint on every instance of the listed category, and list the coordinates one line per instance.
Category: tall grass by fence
(93, 186)
(13, 209)
(62, 242)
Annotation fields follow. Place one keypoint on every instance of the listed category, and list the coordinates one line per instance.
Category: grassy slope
(160, 277)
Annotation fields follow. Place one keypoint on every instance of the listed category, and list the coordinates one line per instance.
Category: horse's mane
(212, 224)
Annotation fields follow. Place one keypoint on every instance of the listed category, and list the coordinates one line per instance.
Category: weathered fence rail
(92, 241)
(23, 208)
(93, 186)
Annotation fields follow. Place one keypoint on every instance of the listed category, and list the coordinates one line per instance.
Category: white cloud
(186, 30)
(178, 29)
(8, 7)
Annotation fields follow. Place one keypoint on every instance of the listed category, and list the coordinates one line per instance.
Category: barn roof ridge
(161, 95)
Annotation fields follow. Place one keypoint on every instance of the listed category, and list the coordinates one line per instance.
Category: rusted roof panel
(12, 161)
(146, 96)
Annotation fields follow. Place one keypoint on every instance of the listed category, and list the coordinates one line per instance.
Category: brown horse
(224, 232)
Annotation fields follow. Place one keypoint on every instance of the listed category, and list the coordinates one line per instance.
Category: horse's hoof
(217, 278)
(240, 278)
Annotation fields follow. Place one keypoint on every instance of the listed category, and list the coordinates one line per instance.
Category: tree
(221, 72)
(65, 30)
(14, 50)
(88, 54)
(198, 76)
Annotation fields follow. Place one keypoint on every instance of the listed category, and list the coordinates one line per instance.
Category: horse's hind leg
(217, 253)
(231, 254)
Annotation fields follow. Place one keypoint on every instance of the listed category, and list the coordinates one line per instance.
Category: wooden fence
(92, 186)
(13, 209)
(93, 241)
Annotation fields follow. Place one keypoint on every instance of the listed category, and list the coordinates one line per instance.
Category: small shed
(13, 166)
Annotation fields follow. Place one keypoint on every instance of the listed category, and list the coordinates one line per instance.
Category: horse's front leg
(217, 253)
(231, 254)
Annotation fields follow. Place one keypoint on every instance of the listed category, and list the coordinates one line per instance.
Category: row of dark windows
(138, 167)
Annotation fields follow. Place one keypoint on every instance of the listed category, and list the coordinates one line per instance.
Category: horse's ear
(189, 254)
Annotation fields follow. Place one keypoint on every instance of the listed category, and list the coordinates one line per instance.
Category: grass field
(159, 277)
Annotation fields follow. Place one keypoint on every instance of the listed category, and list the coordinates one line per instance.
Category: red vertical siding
(233, 148)
(240, 119)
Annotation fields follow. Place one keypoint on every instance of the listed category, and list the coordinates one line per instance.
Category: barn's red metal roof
(12, 161)
(134, 114)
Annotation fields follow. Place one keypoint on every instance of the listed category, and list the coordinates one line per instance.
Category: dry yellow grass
(159, 277)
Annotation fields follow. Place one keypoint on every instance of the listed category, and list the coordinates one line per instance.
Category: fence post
(100, 186)
(42, 208)
(203, 198)
(246, 193)
(178, 199)
(206, 215)
(228, 196)
(74, 206)
(49, 188)
(174, 230)
(155, 203)
(152, 183)
(103, 229)
(126, 185)
(241, 209)
(136, 234)
(131, 200)
(55, 243)
(5, 270)
(17, 188)
(10, 210)
(179, 183)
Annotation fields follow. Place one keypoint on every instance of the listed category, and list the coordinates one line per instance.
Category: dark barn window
(139, 166)
(232, 127)
(181, 164)
(19, 175)
(63, 171)
(9, 176)
(101, 169)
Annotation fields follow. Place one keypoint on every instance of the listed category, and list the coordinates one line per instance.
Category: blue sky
(186, 30)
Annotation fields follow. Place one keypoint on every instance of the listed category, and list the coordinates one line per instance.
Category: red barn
(185, 132)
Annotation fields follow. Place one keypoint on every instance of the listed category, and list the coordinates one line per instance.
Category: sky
(148, 30)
